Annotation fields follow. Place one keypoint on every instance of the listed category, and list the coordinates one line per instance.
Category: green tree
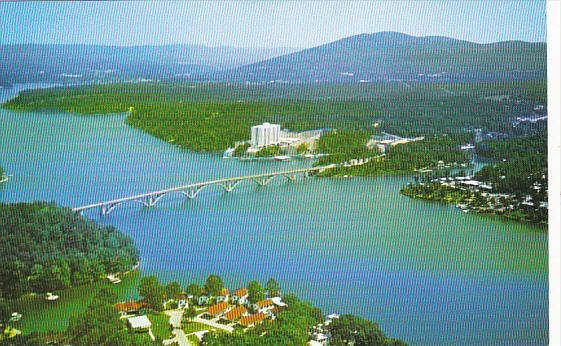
(255, 291)
(193, 289)
(5, 311)
(45, 248)
(100, 325)
(302, 148)
(214, 285)
(152, 291)
(273, 287)
(190, 313)
(173, 290)
(353, 330)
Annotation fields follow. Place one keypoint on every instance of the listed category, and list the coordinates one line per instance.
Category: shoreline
(509, 217)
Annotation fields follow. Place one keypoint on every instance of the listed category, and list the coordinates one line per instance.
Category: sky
(270, 24)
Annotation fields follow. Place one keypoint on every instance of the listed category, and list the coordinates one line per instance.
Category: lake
(426, 272)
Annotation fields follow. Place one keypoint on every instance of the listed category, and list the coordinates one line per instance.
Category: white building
(139, 323)
(264, 135)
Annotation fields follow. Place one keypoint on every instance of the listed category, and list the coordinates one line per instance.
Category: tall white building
(264, 135)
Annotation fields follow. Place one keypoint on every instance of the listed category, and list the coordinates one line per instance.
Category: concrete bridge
(192, 190)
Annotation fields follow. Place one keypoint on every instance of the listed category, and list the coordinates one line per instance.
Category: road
(214, 324)
(180, 337)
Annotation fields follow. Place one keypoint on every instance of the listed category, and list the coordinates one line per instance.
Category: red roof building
(217, 309)
(251, 320)
(235, 313)
(264, 303)
(242, 292)
(130, 306)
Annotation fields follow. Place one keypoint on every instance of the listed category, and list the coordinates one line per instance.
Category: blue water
(427, 273)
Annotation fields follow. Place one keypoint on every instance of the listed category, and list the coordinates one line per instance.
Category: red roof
(235, 313)
(252, 319)
(264, 303)
(242, 292)
(128, 306)
(218, 308)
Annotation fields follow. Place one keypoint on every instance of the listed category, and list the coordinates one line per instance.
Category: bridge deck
(200, 184)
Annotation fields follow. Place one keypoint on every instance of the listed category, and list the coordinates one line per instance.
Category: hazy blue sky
(265, 24)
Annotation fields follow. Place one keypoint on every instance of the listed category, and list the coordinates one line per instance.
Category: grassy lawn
(160, 325)
(193, 339)
(191, 327)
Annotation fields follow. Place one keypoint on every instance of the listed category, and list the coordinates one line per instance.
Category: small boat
(15, 317)
(113, 279)
(281, 158)
(51, 296)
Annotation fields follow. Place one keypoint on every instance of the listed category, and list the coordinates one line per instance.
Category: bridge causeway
(192, 190)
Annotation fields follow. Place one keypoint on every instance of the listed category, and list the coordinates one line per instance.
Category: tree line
(45, 248)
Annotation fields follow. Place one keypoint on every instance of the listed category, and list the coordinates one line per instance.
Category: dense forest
(212, 117)
(517, 168)
(45, 248)
(429, 153)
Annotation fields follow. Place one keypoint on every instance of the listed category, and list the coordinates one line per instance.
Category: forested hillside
(44, 248)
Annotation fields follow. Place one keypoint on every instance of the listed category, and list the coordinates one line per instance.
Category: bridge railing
(191, 190)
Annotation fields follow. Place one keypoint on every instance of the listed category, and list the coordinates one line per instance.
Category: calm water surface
(426, 272)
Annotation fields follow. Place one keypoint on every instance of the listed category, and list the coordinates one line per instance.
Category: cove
(426, 272)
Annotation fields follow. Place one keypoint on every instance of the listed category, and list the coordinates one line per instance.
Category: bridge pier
(264, 180)
(192, 192)
(290, 177)
(106, 209)
(229, 186)
(152, 200)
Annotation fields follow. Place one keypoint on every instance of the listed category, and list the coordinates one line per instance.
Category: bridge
(192, 190)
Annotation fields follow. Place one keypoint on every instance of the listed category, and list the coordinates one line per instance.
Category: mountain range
(383, 56)
(75, 63)
(394, 56)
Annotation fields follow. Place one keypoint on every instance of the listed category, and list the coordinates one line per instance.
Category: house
(235, 313)
(252, 320)
(128, 308)
(278, 302)
(183, 302)
(217, 309)
(139, 323)
(240, 296)
(321, 338)
(263, 305)
(224, 295)
(202, 300)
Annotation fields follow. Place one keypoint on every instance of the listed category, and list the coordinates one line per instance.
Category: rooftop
(235, 313)
(218, 308)
(128, 306)
(242, 292)
(252, 319)
(139, 322)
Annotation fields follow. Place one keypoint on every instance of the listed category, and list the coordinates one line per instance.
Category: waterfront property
(240, 296)
(265, 135)
(385, 141)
